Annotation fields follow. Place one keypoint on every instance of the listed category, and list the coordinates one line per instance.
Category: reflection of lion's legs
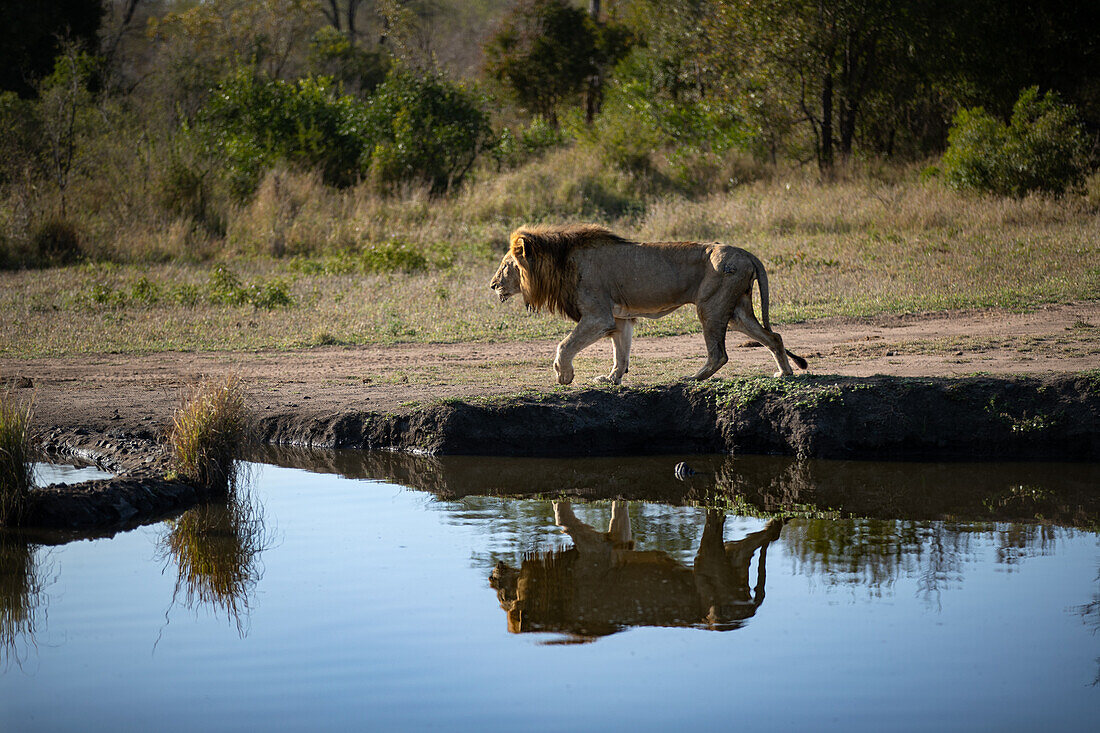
(744, 320)
(739, 555)
(620, 340)
(714, 333)
(618, 530)
(586, 538)
(588, 331)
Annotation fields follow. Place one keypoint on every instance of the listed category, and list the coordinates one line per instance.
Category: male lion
(602, 584)
(605, 283)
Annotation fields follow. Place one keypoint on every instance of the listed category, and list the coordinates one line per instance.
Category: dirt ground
(138, 392)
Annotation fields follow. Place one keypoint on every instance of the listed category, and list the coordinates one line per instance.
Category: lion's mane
(548, 275)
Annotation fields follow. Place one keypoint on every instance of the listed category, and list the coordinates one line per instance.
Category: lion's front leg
(588, 331)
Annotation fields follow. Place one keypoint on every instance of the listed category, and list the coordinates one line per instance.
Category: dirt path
(103, 391)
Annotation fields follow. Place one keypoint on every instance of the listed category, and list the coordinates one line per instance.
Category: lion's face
(506, 281)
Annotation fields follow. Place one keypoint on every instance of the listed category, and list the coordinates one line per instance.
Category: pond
(390, 592)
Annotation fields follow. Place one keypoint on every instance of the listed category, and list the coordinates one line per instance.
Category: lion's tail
(762, 281)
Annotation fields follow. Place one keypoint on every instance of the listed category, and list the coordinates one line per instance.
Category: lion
(602, 584)
(605, 283)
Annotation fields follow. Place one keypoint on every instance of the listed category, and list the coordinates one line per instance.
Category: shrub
(208, 431)
(56, 241)
(225, 288)
(425, 131)
(1042, 148)
(16, 471)
(255, 121)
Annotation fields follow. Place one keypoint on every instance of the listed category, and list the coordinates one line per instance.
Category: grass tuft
(208, 431)
(16, 470)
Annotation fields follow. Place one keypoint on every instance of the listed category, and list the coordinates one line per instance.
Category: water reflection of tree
(876, 553)
(22, 599)
(216, 549)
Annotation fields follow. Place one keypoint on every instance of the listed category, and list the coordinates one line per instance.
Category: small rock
(683, 471)
(23, 383)
(958, 353)
(891, 353)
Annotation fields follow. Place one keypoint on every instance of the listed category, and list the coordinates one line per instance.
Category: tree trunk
(825, 159)
(593, 93)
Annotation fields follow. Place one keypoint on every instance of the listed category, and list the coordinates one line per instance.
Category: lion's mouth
(503, 295)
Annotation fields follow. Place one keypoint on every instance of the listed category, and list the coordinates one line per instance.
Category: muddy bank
(979, 418)
(810, 417)
(139, 494)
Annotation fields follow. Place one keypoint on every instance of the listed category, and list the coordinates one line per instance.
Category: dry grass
(208, 431)
(866, 245)
(16, 468)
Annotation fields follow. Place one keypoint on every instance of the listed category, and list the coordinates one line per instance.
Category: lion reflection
(602, 584)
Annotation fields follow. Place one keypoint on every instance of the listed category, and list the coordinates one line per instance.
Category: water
(333, 595)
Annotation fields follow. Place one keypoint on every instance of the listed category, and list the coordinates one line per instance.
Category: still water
(367, 592)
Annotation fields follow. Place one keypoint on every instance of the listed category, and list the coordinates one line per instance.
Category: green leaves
(413, 129)
(1042, 148)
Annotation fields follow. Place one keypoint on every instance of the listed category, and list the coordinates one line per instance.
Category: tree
(546, 52)
(32, 34)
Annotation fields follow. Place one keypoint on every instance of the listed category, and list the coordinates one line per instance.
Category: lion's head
(506, 282)
(538, 265)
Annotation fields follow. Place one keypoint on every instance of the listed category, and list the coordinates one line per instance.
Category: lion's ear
(520, 249)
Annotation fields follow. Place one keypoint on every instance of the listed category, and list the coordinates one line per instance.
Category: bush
(16, 474)
(254, 122)
(425, 131)
(1042, 148)
(418, 130)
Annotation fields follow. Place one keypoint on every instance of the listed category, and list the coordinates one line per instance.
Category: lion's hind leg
(714, 334)
(744, 320)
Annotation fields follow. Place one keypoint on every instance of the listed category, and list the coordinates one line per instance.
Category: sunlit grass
(16, 467)
(855, 248)
(207, 432)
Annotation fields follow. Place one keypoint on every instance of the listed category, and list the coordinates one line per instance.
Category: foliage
(423, 130)
(529, 141)
(1042, 148)
(208, 430)
(199, 44)
(16, 473)
(546, 51)
(256, 121)
(332, 54)
(382, 257)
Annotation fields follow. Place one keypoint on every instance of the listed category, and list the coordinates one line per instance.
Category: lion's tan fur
(605, 282)
(548, 275)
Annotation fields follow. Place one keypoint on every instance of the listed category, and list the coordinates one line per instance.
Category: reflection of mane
(548, 279)
(602, 584)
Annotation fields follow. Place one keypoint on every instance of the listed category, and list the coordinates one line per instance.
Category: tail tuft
(798, 360)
